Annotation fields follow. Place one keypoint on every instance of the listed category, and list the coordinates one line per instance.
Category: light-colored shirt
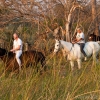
(79, 36)
(18, 42)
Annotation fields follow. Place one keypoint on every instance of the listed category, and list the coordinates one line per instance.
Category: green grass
(58, 83)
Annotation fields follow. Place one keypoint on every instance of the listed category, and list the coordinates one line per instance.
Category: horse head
(91, 37)
(57, 46)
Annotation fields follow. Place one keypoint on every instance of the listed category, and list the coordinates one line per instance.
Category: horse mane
(69, 43)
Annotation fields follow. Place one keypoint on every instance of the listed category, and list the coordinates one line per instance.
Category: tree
(69, 19)
(95, 18)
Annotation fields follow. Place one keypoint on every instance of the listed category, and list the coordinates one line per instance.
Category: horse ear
(57, 38)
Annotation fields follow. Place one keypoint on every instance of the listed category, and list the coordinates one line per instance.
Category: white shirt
(80, 35)
(18, 42)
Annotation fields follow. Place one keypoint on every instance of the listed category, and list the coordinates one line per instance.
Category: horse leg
(36, 66)
(72, 65)
(79, 63)
(94, 59)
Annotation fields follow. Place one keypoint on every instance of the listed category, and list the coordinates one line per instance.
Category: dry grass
(58, 83)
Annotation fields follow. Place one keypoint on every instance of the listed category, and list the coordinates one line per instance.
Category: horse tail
(98, 43)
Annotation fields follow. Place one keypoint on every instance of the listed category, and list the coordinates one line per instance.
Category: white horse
(73, 51)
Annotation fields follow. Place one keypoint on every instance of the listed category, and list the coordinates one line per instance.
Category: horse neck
(3, 53)
(6, 56)
(66, 45)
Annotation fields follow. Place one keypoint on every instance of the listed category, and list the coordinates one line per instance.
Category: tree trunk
(95, 18)
(69, 20)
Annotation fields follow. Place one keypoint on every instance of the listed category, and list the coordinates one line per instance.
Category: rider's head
(79, 30)
(15, 36)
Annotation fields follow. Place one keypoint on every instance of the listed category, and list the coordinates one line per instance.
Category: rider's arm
(15, 49)
(79, 39)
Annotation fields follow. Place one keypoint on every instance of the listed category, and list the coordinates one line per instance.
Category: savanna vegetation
(35, 21)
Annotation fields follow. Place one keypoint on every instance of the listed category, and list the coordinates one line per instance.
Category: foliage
(58, 83)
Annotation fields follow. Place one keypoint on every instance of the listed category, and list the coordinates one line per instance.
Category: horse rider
(80, 40)
(17, 48)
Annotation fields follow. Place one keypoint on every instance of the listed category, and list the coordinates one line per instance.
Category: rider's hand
(73, 42)
(12, 50)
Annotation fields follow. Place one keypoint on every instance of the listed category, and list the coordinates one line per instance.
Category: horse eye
(57, 45)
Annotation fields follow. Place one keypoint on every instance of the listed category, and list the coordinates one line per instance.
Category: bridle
(57, 49)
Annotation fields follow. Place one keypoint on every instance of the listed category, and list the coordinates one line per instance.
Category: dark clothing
(82, 47)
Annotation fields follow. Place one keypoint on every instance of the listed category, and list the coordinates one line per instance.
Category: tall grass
(58, 83)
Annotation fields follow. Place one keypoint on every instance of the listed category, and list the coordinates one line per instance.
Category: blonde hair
(79, 29)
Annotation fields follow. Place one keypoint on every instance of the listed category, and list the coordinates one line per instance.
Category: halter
(57, 48)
